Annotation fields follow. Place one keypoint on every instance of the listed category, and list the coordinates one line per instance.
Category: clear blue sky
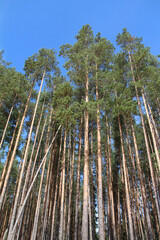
(28, 25)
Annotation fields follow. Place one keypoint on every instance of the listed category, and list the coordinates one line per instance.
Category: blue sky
(27, 26)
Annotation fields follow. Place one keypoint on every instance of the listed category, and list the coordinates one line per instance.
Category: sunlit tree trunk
(30, 188)
(110, 186)
(31, 157)
(146, 142)
(78, 181)
(63, 187)
(35, 225)
(70, 187)
(86, 166)
(100, 188)
(15, 149)
(8, 155)
(131, 232)
(5, 129)
(142, 188)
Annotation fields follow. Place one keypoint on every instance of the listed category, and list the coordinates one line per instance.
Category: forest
(80, 154)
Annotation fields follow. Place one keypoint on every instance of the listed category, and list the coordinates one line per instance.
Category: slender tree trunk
(142, 188)
(119, 218)
(100, 187)
(131, 232)
(44, 215)
(70, 188)
(110, 180)
(86, 166)
(23, 168)
(29, 190)
(63, 185)
(109, 225)
(36, 218)
(153, 121)
(92, 185)
(78, 182)
(66, 187)
(15, 149)
(15, 189)
(4, 132)
(55, 197)
(154, 208)
(152, 130)
(147, 144)
(90, 215)
(8, 155)
(30, 160)
(135, 189)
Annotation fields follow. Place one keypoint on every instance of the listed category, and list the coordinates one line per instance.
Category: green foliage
(42, 61)
(65, 111)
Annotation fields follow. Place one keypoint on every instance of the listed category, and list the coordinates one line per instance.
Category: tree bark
(15, 149)
(100, 187)
(146, 141)
(8, 155)
(86, 166)
(63, 185)
(78, 182)
(29, 190)
(5, 129)
(131, 232)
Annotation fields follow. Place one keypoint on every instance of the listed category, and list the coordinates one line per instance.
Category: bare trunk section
(55, 196)
(146, 141)
(66, 187)
(90, 215)
(86, 166)
(153, 121)
(30, 160)
(131, 232)
(110, 185)
(92, 189)
(78, 182)
(63, 185)
(70, 187)
(15, 149)
(8, 155)
(152, 130)
(11, 237)
(36, 218)
(5, 129)
(24, 161)
(100, 187)
(142, 188)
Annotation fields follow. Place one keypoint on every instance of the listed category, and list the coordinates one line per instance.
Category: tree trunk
(131, 232)
(146, 142)
(100, 187)
(55, 196)
(152, 130)
(70, 187)
(8, 155)
(86, 167)
(66, 187)
(29, 190)
(30, 160)
(63, 185)
(36, 218)
(78, 182)
(15, 149)
(4, 132)
(110, 186)
(92, 186)
(142, 188)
